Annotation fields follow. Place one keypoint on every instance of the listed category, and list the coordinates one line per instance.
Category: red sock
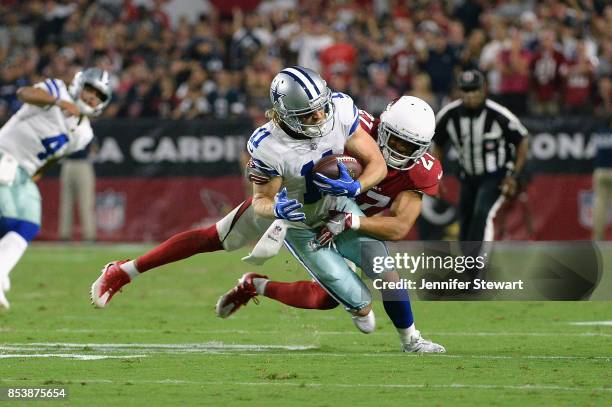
(300, 294)
(180, 246)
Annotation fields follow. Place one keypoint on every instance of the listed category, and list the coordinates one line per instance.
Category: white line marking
(210, 347)
(207, 345)
(68, 356)
(592, 323)
(314, 332)
(459, 386)
(213, 348)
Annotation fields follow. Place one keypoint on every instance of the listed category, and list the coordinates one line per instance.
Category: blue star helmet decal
(276, 95)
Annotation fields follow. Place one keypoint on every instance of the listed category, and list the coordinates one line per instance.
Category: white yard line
(591, 323)
(217, 348)
(181, 346)
(68, 356)
(456, 386)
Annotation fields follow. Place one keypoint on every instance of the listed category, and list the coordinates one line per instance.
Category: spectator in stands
(377, 95)
(490, 54)
(470, 54)
(192, 102)
(340, 57)
(314, 38)
(224, 98)
(421, 88)
(440, 61)
(578, 75)
(545, 74)
(513, 63)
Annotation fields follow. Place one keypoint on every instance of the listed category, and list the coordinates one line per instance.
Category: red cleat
(108, 284)
(238, 296)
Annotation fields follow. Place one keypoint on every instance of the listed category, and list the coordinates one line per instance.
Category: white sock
(130, 268)
(12, 247)
(260, 285)
(406, 333)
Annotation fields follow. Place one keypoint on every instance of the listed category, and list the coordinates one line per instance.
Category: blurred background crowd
(199, 58)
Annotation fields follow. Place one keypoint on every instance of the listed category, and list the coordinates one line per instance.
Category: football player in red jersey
(412, 172)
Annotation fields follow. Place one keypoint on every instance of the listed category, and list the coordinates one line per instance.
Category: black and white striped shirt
(485, 139)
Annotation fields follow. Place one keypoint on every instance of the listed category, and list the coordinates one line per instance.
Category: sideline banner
(158, 177)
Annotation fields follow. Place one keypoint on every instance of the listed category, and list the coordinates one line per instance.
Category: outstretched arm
(38, 97)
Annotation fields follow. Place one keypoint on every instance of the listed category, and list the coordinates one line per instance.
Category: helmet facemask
(389, 139)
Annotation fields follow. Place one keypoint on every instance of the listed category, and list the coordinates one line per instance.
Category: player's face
(403, 147)
(473, 99)
(92, 96)
(313, 118)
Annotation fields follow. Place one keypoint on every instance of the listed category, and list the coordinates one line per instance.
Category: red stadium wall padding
(554, 207)
(149, 209)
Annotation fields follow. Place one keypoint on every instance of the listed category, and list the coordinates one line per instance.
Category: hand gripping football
(328, 166)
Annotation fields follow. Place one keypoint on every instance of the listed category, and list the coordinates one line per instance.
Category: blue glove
(285, 208)
(343, 186)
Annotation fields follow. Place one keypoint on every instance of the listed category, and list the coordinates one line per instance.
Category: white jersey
(277, 154)
(34, 134)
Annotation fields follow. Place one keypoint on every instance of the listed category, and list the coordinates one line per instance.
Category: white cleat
(3, 301)
(419, 344)
(108, 284)
(365, 324)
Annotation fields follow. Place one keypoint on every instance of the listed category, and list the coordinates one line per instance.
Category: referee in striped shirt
(492, 147)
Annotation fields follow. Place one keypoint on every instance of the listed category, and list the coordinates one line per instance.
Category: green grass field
(159, 343)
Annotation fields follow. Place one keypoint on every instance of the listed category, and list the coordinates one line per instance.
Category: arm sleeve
(264, 160)
(55, 87)
(348, 113)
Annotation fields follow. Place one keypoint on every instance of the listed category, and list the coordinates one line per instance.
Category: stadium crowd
(540, 57)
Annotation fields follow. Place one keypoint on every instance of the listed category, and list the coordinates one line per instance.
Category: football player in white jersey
(307, 123)
(53, 122)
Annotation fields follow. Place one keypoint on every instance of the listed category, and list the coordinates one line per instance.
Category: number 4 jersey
(423, 177)
(34, 134)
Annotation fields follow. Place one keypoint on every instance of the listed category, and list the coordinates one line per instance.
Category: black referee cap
(471, 80)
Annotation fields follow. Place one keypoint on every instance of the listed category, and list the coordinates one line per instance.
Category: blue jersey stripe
(298, 80)
(303, 72)
(356, 122)
(49, 89)
(260, 165)
(56, 87)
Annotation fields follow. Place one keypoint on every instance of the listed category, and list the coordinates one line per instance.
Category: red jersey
(424, 177)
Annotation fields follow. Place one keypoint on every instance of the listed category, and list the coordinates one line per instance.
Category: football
(328, 166)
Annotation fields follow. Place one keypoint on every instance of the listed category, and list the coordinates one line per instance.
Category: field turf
(159, 343)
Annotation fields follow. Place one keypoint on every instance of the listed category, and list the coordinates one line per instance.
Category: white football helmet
(409, 119)
(96, 78)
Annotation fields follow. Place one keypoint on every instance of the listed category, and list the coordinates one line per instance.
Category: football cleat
(238, 296)
(108, 284)
(366, 323)
(419, 344)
